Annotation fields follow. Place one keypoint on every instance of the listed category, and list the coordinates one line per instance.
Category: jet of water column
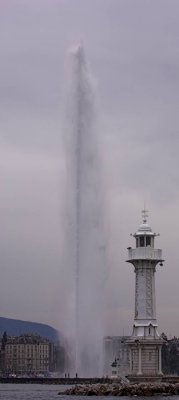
(81, 98)
(79, 110)
(87, 236)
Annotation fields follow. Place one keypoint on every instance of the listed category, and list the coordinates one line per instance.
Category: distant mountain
(15, 327)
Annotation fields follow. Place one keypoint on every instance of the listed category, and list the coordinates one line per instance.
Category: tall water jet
(86, 240)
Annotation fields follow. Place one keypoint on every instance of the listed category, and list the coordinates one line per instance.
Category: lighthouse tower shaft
(145, 343)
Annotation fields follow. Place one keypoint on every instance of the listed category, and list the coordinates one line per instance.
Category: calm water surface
(50, 392)
(29, 392)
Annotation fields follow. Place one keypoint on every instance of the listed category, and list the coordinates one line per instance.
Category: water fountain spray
(87, 236)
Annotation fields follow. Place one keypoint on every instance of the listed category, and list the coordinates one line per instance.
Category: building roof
(27, 339)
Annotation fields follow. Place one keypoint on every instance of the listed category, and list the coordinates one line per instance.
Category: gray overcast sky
(133, 50)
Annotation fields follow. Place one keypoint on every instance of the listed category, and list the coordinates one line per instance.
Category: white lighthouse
(145, 343)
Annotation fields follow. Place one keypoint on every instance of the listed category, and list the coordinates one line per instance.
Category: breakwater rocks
(121, 389)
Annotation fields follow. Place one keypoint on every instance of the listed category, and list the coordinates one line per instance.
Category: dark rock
(121, 389)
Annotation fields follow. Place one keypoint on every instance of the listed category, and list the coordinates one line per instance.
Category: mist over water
(85, 244)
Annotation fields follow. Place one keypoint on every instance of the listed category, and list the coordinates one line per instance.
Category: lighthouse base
(145, 358)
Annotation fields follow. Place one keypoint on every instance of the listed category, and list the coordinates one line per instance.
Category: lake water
(29, 392)
(50, 392)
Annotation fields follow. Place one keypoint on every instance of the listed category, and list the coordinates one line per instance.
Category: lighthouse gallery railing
(145, 253)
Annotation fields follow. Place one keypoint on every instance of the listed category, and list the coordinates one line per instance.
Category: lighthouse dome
(144, 229)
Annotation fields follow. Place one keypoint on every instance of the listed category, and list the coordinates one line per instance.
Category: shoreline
(55, 381)
(73, 381)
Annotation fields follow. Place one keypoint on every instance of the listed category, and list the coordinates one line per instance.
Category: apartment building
(27, 354)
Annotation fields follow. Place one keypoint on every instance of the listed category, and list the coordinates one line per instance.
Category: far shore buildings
(27, 354)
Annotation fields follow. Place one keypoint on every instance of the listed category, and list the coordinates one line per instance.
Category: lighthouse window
(142, 241)
(148, 241)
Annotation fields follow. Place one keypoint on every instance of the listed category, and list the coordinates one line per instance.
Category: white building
(145, 343)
